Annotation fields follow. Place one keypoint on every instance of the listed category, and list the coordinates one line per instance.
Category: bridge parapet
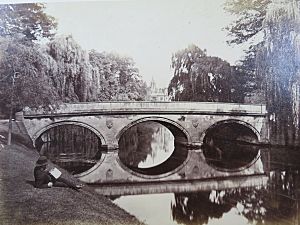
(143, 107)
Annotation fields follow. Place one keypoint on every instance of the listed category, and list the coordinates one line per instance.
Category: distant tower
(157, 94)
(153, 86)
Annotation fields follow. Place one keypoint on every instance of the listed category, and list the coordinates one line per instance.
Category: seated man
(44, 179)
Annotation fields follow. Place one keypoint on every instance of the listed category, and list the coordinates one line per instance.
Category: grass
(22, 203)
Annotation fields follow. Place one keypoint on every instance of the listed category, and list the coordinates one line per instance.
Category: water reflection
(146, 145)
(230, 146)
(161, 145)
(276, 202)
(75, 148)
(149, 148)
(197, 208)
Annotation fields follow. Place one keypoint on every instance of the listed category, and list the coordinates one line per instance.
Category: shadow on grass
(31, 182)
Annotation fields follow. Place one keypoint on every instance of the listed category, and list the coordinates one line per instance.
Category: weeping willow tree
(199, 77)
(70, 70)
(278, 61)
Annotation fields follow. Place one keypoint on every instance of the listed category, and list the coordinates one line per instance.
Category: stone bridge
(191, 123)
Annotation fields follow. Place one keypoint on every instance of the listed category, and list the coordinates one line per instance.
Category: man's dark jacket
(42, 177)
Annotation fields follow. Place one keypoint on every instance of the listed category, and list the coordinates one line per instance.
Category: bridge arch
(61, 123)
(70, 160)
(173, 126)
(169, 165)
(231, 145)
(232, 121)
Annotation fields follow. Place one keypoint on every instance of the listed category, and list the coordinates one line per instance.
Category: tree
(19, 25)
(70, 70)
(246, 29)
(32, 86)
(251, 14)
(278, 60)
(28, 20)
(198, 77)
(251, 84)
(116, 77)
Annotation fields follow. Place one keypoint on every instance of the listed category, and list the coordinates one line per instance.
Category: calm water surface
(147, 146)
(274, 203)
(157, 209)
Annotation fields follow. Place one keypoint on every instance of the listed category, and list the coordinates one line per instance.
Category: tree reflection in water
(72, 147)
(146, 145)
(228, 146)
(196, 208)
(274, 204)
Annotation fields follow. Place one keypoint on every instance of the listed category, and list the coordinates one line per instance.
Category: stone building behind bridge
(157, 94)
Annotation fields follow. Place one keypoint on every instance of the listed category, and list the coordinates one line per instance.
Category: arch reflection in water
(72, 147)
(230, 146)
(148, 148)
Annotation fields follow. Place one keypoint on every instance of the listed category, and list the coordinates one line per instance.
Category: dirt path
(22, 203)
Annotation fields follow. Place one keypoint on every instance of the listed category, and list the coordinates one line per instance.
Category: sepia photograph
(148, 112)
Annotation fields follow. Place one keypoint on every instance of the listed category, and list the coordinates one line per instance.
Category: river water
(275, 202)
(149, 145)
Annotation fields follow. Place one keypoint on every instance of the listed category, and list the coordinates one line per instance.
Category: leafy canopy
(198, 77)
(29, 65)
(117, 77)
(250, 16)
(27, 20)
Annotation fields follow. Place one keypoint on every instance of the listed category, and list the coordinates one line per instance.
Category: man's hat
(42, 161)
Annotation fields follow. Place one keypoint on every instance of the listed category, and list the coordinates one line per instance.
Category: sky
(147, 31)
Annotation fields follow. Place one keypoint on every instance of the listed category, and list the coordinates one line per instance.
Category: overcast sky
(148, 31)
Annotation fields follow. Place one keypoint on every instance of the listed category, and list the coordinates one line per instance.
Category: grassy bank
(22, 203)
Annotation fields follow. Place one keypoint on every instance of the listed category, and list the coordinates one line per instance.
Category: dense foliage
(198, 77)
(116, 77)
(278, 61)
(34, 74)
(251, 14)
(28, 64)
(62, 71)
(70, 70)
(28, 21)
(274, 59)
(248, 29)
